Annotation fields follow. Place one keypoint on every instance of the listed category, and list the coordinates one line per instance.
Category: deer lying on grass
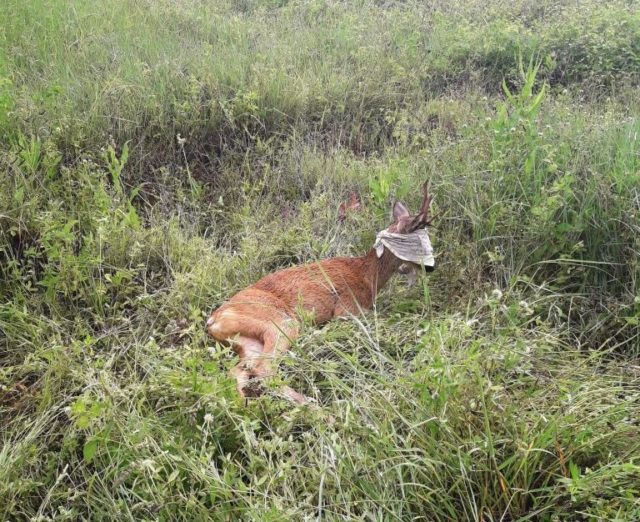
(262, 320)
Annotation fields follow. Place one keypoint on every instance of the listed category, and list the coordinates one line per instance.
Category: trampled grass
(159, 156)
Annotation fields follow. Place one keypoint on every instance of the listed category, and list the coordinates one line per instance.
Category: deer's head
(404, 222)
(407, 236)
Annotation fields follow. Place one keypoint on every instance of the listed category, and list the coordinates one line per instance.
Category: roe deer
(262, 320)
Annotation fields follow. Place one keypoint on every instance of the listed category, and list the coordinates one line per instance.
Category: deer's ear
(399, 211)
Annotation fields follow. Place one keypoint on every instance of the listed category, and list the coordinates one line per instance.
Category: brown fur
(262, 320)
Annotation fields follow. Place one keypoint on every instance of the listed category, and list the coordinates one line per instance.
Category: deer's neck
(380, 269)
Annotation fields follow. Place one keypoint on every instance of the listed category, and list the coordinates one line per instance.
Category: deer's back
(327, 288)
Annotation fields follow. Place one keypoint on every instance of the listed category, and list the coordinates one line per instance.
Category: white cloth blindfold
(414, 247)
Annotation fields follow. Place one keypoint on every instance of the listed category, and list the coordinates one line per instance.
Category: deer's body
(263, 319)
(325, 289)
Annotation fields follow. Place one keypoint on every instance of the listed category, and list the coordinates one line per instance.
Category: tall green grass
(230, 72)
(158, 156)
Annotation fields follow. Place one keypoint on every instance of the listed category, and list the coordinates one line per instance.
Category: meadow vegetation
(158, 156)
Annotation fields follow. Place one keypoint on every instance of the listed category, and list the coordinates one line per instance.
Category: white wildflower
(149, 465)
(526, 308)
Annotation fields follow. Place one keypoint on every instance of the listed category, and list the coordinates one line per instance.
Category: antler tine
(426, 200)
(422, 218)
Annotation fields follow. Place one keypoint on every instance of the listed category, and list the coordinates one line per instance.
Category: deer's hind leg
(255, 362)
(230, 326)
(277, 339)
(257, 342)
(249, 351)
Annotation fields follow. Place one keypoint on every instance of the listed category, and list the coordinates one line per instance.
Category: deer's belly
(321, 311)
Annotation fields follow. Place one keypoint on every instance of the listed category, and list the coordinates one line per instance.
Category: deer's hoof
(251, 389)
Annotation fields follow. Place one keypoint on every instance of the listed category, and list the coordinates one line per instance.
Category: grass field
(158, 156)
